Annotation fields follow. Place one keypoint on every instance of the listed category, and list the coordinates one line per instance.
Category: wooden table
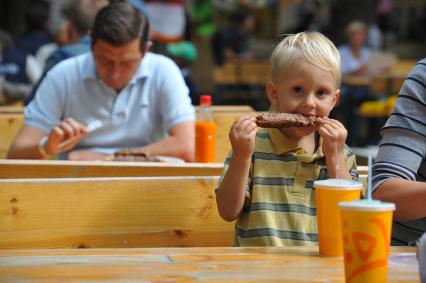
(292, 264)
(389, 82)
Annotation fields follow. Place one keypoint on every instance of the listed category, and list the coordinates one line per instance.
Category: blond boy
(267, 183)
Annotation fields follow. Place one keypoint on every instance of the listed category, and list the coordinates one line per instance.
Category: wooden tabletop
(399, 70)
(291, 264)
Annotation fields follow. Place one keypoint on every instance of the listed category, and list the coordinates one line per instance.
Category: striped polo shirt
(402, 151)
(280, 205)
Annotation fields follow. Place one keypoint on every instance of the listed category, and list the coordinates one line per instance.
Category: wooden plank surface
(11, 109)
(216, 108)
(111, 212)
(17, 169)
(242, 71)
(10, 124)
(291, 264)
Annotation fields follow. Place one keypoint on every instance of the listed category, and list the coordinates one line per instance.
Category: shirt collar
(283, 145)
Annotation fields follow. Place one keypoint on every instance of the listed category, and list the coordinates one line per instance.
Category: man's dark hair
(120, 23)
(81, 13)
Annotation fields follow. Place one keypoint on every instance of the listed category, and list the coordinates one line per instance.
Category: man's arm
(180, 143)
(408, 196)
(25, 145)
(402, 151)
(63, 137)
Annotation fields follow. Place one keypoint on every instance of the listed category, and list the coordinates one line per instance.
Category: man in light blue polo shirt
(140, 98)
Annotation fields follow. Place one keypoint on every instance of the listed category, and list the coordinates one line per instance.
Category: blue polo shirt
(155, 100)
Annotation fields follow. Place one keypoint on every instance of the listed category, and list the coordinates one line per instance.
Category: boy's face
(305, 89)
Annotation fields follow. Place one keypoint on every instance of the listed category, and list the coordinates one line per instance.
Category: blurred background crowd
(223, 46)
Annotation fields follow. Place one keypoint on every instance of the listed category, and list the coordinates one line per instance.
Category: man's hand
(65, 136)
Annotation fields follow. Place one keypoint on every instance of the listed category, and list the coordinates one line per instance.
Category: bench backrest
(10, 124)
(216, 108)
(18, 169)
(111, 212)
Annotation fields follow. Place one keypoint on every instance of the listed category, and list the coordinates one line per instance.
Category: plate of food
(138, 155)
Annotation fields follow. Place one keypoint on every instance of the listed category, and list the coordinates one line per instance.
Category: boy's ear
(272, 93)
(336, 97)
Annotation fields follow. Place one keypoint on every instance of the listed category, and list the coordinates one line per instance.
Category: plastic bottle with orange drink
(205, 132)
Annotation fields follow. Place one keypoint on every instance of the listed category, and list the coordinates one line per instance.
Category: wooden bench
(242, 71)
(111, 212)
(241, 80)
(11, 109)
(216, 108)
(10, 124)
(18, 169)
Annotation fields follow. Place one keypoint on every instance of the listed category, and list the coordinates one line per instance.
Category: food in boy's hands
(284, 120)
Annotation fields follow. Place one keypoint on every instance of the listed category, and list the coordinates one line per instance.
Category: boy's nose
(310, 100)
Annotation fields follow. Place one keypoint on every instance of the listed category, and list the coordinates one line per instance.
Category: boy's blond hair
(311, 47)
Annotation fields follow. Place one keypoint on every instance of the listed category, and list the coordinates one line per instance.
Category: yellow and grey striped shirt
(280, 200)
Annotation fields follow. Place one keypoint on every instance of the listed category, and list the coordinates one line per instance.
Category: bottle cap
(205, 100)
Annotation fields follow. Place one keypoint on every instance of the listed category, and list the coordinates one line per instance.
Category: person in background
(168, 22)
(267, 183)
(399, 171)
(233, 42)
(56, 16)
(79, 15)
(45, 50)
(354, 55)
(374, 37)
(184, 54)
(79, 18)
(19, 70)
(56, 26)
(139, 98)
(36, 21)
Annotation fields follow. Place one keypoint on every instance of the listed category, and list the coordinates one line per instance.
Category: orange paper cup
(366, 228)
(328, 194)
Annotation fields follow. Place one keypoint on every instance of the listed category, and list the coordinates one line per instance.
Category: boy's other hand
(334, 135)
(242, 136)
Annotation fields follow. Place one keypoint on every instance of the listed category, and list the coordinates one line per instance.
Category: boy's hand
(334, 135)
(242, 136)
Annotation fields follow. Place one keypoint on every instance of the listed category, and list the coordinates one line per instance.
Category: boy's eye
(297, 89)
(321, 92)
